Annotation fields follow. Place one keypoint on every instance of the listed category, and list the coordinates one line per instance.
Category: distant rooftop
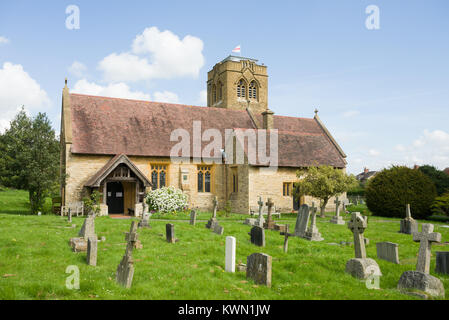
(238, 58)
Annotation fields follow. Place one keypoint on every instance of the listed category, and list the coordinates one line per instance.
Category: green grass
(17, 202)
(35, 254)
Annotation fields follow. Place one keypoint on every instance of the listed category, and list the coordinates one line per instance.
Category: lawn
(35, 254)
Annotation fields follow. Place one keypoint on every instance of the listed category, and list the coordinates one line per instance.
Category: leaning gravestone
(388, 251)
(92, 245)
(302, 221)
(192, 217)
(145, 222)
(337, 219)
(213, 220)
(230, 254)
(125, 270)
(269, 224)
(257, 236)
(312, 233)
(258, 268)
(420, 279)
(360, 267)
(286, 234)
(442, 262)
(87, 230)
(408, 225)
(218, 229)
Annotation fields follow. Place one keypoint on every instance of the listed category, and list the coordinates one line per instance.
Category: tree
(323, 182)
(388, 193)
(440, 178)
(29, 157)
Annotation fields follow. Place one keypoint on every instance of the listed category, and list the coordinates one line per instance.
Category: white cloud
(4, 40)
(202, 98)
(400, 148)
(17, 88)
(78, 69)
(155, 55)
(166, 96)
(115, 90)
(373, 152)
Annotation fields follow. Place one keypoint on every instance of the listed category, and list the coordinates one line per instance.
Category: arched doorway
(115, 197)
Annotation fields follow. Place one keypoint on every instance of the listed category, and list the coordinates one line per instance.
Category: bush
(166, 200)
(390, 190)
(441, 205)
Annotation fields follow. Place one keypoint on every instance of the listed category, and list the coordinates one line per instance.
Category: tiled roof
(112, 126)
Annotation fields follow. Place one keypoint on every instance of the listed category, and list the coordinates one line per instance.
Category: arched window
(220, 91)
(214, 94)
(158, 176)
(241, 89)
(252, 90)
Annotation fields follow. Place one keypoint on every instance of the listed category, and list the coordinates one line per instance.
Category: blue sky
(383, 94)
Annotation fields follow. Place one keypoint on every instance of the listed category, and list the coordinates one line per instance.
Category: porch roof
(96, 180)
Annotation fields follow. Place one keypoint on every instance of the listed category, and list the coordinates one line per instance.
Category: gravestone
(388, 251)
(88, 228)
(145, 222)
(250, 222)
(125, 270)
(442, 262)
(312, 233)
(230, 254)
(408, 225)
(302, 221)
(170, 233)
(260, 220)
(257, 236)
(69, 216)
(420, 279)
(337, 219)
(192, 217)
(213, 220)
(269, 224)
(360, 267)
(92, 245)
(286, 234)
(218, 229)
(258, 268)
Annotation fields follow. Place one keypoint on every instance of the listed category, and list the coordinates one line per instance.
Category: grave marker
(258, 268)
(312, 233)
(257, 236)
(92, 245)
(388, 251)
(286, 234)
(269, 224)
(170, 233)
(230, 254)
(302, 221)
(192, 217)
(337, 219)
(408, 225)
(125, 270)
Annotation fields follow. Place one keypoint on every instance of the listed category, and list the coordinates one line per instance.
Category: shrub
(441, 205)
(440, 178)
(391, 189)
(92, 203)
(166, 200)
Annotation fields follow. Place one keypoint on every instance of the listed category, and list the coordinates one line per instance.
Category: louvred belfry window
(241, 89)
(252, 91)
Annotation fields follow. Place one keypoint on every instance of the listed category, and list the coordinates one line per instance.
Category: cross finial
(316, 111)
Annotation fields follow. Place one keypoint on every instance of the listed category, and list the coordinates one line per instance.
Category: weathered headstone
(125, 270)
(88, 228)
(388, 251)
(312, 233)
(213, 220)
(257, 236)
(230, 254)
(258, 268)
(260, 220)
(442, 262)
(145, 222)
(250, 222)
(192, 217)
(421, 279)
(78, 244)
(361, 267)
(170, 233)
(269, 224)
(408, 225)
(286, 234)
(337, 219)
(69, 216)
(92, 245)
(218, 229)
(302, 220)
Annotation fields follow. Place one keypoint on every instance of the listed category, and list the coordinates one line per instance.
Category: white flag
(236, 49)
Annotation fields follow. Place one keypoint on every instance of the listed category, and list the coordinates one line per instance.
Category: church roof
(111, 126)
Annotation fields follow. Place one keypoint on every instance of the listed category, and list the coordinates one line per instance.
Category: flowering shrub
(166, 200)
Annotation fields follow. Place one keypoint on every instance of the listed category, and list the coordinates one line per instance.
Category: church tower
(238, 83)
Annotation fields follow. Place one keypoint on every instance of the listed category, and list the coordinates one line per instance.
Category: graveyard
(35, 255)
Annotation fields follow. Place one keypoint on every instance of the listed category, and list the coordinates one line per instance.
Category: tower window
(241, 89)
(252, 90)
(214, 94)
(220, 91)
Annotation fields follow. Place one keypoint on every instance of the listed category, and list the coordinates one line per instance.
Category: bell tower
(238, 83)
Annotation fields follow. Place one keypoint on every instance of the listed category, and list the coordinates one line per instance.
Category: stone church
(123, 148)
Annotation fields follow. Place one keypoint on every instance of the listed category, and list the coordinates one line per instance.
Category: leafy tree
(388, 193)
(323, 182)
(441, 205)
(29, 157)
(440, 178)
(92, 203)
